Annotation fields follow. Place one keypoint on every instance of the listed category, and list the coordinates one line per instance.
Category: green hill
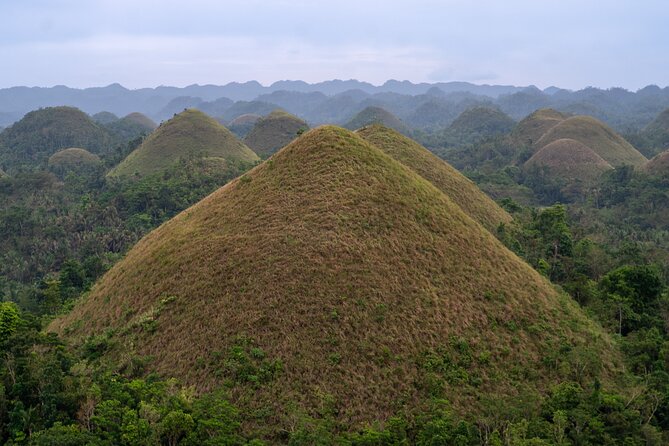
(190, 133)
(569, 160)
(447, 179)
(657, 132)
(332, 278)
(597, 136)
(658, 165)
(41, 133)
(273, 132)
(132, 126)
(242, 125)
(481, 122)
(534, 126)
(73, 157)
(105, 117)
(376, 115)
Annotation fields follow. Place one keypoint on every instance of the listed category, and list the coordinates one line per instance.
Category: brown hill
(568, 159)
(456, 186)
(190, 133)
(658, 165)
(533, 127)
(72, 158)
(597, 136)
(273, 132)
(333, 276)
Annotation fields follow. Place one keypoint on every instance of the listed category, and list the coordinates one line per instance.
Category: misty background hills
(420, 106)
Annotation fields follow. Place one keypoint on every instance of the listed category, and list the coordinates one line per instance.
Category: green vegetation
(274, 131)
(132, 126)
(242, 125)
(378, 260)
(376, 115)
(530, 130)
(189, 134)
(30, 142)
(477, 123)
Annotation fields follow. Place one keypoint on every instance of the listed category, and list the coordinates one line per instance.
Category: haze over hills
(352, 275)
(189, 134)
(419, 105)
(376, 115)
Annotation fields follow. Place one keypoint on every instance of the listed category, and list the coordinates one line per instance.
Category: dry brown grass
(534, 126)
(568, 159)
(456, 186)
(332, 249)
(599, 137)
(73, 157)
(273, 132)
(188, 133)
(659, 165)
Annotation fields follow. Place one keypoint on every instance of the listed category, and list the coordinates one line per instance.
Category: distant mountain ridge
(420, 105)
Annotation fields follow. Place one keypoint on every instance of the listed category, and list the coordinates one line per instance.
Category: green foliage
(9, 320)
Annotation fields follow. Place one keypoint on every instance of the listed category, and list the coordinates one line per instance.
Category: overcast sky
(146, 43)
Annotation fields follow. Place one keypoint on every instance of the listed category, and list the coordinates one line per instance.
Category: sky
(146, 43)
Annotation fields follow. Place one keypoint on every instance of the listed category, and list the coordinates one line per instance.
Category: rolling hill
(533, 127)
(131, 126)
(657, 132)
(72, 158)
(242, 125)
(481, 121)
(456, 186)
(658, 165)
(274, 131)
(190, 133)
(376, 115)
(41, 133)
(597, 136)
(569, 160)
(332, 277)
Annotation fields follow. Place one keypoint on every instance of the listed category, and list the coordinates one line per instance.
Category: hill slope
(568, 159)
(658, 165)
(273, 132)
(43, 132)
(332, 275)
(534, 126)
(596, 135)
(482, 122)
(190, 133)
(657, 132)
(73, 157)
(132, 126)
(456, 186)
(376, 115)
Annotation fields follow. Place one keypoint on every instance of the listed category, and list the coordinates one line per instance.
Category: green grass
(597, 136)
(188, 133)
(273, 132)
(347, 268)
(483, 121)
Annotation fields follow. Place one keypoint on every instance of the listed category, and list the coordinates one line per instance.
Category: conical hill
(598, 136)
(456, 186)
(333, 276)
(534, 126)
(273, 132)
(190, 133)
(658, 165)
(568, 159)
(376, 115)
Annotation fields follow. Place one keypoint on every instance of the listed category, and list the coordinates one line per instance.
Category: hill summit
(273, 132)
(658, 165)
(481, 121)
(530, 130)
(377, 115)
(190, 133)
(41, 133)
(597, 136)
(332, 276)
(569, 160)
(456, 186)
